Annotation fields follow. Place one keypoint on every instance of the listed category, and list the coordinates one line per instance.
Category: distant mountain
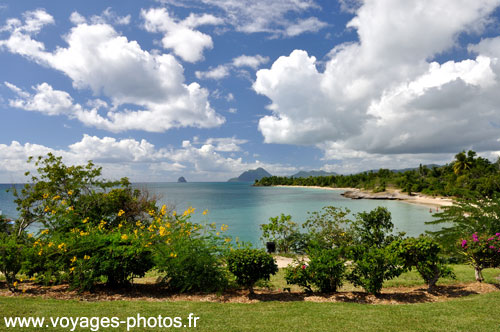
(304, 174)
(181, 180)
(251, 175)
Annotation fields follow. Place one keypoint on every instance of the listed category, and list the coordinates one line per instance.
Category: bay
(243, 207)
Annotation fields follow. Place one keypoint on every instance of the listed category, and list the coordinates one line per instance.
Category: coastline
(394, 194)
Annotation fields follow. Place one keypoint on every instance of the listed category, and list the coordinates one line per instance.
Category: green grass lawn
(472, 313)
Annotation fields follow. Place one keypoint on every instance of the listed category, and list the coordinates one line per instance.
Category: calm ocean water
(244, 207)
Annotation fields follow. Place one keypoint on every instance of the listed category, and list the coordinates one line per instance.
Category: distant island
(181, 180)
(251, 175)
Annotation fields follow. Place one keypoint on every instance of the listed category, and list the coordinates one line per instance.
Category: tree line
(466, 174)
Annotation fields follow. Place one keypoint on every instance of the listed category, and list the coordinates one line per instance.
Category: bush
(11, 258)
(482, 252)
(191, 265)
(298, 273)
(372, 266)
(327, 269)
(422, 254)
(251, 265)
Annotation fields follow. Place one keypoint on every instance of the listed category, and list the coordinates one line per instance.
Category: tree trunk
(478, 273)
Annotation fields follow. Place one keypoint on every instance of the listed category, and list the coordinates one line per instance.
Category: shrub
(482, 252)
(422, 253)
(327, 269)
(298, 273)
(191, 265)
(190, 255)
(372, 266)
(251, 265)
(89, 255)
(11, 258)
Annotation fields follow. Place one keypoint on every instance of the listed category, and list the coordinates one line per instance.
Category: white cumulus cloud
(384, 93)
(180, 36)
(100, 59)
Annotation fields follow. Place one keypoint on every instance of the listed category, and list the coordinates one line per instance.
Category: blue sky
(206, 89)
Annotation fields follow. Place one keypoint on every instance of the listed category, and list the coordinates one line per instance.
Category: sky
(206, 89)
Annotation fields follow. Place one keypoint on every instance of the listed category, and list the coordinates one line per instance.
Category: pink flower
(474, 237)
(492, 247)
(491, 239)
(497, 234)
(464, 243)
(303, 267)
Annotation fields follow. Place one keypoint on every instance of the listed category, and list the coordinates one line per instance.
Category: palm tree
(463, 162)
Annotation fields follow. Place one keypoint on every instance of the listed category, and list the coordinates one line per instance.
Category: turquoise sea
(244, 207)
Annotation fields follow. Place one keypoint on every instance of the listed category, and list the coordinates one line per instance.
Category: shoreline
(395, 194)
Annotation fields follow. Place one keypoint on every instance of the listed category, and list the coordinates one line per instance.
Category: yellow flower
(51, 244)
(124, 236)
(173, 255)
(40, 252)
(85, 220)
(174, 213)
(138, 223)
(53, 212)
(135, 232)
(30, 235)
(46, 209)
(82, 233)
(21, 280)
(45, 231)
(163, 210)
(86, 257)
(205, 212)
(224, 227)
(14, 284)
(227, 239)
(151, 212)
(163, 230)
(45, 195)
(70, 192)
(63, 202)
(24, 290)
(72, 269)
(121, 213)
(217, 233)
(56, 197)
(73, 259)
(120, 225)
(61, 246)
(70, 208)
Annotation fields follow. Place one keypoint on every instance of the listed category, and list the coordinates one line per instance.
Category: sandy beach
(395, 194)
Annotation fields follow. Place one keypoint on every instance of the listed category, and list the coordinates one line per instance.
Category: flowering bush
(422, 253)
(298, 273)
(189, 255)
(251, 265)
(481, 251)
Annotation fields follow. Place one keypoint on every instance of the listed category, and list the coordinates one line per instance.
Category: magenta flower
(492, 247)
(474, 237)
(491, 239)
(464, 243)
(303, 267)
